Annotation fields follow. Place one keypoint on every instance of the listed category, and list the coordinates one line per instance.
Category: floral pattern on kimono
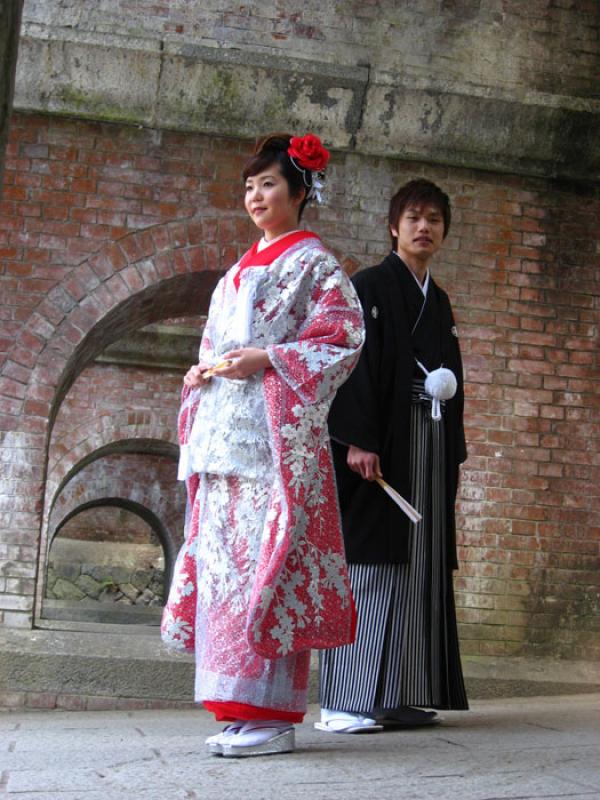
(303, 310)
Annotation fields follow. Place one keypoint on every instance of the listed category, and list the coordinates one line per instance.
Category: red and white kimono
(261, 578)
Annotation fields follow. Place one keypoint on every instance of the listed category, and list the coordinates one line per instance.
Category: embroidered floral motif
(269, 548)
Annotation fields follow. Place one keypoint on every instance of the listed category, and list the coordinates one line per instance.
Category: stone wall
(97, 244)
(500, 85)
(84, 574)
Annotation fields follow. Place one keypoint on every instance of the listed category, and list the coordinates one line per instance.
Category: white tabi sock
(258, 731)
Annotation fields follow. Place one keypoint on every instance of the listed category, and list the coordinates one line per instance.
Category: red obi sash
(262, 258)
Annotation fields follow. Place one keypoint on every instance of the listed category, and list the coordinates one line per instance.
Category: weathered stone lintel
(85, 79)
(235, 93)
(481, 132)
(189, 88)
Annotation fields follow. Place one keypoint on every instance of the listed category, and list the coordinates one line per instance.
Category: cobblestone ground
(517, 749)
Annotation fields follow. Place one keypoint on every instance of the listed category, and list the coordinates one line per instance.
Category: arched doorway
(153, 275)
(108, 562)
(114, 434)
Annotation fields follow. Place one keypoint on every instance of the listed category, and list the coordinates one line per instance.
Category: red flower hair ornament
(307, 154)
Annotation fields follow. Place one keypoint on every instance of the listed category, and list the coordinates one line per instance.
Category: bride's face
(269, 204)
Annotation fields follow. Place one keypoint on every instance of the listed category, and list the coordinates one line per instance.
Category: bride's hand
(193, 377)
(246, 361)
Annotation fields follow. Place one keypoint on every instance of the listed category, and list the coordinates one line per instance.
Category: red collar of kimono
(266, 256)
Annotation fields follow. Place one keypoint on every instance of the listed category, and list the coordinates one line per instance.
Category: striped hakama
(406, 650)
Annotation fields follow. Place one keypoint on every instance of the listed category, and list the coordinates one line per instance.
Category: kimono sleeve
(179, 614)
(355, 416)
(330, 334)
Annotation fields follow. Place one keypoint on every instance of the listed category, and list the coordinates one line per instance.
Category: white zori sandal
(258, 737)
(346, 722)
(215, 743)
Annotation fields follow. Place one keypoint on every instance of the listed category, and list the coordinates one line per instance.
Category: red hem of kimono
(230, 712)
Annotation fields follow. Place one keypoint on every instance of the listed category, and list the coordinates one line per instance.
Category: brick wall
(105, 228)
(133, 480)
(107, 524)
(111, 403)
(530, 503)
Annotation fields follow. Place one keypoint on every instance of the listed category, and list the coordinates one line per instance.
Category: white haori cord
(440, 384)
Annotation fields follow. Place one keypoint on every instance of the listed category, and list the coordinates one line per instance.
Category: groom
(406, 656)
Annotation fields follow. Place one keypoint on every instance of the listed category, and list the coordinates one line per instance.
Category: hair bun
(273, 141)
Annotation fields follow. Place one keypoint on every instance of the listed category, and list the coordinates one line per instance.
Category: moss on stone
(85, 104)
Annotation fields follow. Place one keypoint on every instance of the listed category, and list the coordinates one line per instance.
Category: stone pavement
(516, 749)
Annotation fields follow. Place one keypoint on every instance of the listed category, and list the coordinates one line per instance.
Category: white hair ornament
(315, 186)
(315, 191)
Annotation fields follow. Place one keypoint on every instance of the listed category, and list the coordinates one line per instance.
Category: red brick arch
(90, 482)
(101, 463)
(164, 271)
(150, 432)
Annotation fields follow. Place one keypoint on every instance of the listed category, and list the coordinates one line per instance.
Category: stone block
(17, 619)
(9, 42)
(87, 77)
(15, 602)
(68, 702)
(153, 348)
(495, 133)
(98, 573)
(237, 93)
(13, 700)
(140, 578)
(157, 586)
(91, 587)
(64, 590)
(145, 598)
(130, 591)
(120, 575)
(109, 594)
(66, 570)
(40, 700)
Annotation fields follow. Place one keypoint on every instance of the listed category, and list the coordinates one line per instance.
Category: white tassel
(316, 190)
(440, 384)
